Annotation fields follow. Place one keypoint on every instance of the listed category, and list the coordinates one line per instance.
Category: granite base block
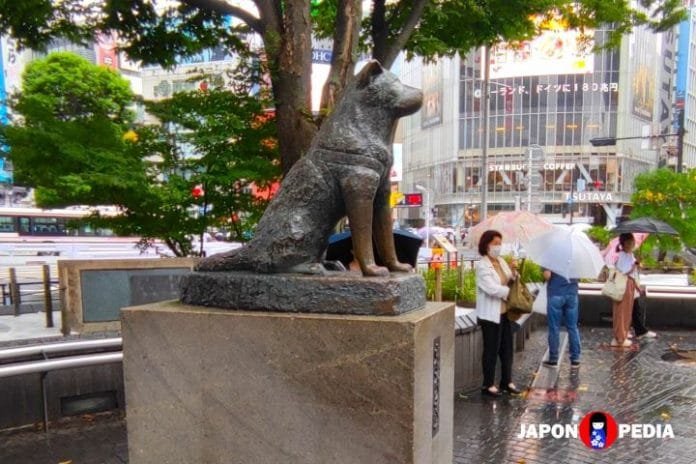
(335, 293)
(213, 386)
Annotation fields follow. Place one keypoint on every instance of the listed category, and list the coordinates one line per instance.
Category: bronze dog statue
(345, 172)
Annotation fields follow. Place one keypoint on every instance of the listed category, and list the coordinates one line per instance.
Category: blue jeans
(563, 308)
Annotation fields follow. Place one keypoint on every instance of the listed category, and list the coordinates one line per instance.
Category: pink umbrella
(515, 226)
(611, 255)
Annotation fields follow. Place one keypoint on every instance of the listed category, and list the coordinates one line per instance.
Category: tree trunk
(343, 58)
(291, 71)
(296, 128)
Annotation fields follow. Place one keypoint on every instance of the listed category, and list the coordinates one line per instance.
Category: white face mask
(494, 250)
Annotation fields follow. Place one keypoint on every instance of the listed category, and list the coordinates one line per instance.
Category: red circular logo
(598, 430)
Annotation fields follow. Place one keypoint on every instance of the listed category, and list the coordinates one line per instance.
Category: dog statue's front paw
(400, 267)
(373, 270)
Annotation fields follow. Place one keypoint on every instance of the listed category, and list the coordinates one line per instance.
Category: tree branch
(270, 13)
(392, 48)
(345, 45)
(379, 30)
(222, 7)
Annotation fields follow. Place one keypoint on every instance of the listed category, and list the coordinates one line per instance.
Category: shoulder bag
(520, 299)
(615, 286)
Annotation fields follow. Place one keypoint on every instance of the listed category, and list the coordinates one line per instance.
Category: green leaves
(76, 142)
(224, 142)
(671, 197)
(67, 87)
(68, 141)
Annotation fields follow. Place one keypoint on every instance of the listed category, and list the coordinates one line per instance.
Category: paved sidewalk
(29, 327)
(634, 386)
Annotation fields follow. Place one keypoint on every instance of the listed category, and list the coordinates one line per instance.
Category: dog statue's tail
(234, 260)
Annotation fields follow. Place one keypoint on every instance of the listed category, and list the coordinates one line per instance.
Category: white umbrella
(567, 252)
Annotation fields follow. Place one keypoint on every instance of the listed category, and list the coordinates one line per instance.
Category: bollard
(64, 321)
(460, 275)
(438, 283)
(48, 301)
(14, 291)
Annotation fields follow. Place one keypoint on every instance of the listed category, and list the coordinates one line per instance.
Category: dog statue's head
(381, 87)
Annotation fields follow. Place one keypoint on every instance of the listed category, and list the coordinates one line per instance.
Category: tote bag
(615, 286)
(520, 299)
(541, 300)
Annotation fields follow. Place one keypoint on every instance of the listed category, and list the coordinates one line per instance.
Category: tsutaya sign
(591, 197)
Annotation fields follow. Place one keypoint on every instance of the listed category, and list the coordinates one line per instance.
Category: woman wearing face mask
(492, 278)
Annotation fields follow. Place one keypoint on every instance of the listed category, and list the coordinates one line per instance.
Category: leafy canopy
(160, 31)
(67, 141)
(74, 139)
(670, 197)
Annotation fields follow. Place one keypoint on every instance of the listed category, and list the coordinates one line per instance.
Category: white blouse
(489, 291)
(626, 262)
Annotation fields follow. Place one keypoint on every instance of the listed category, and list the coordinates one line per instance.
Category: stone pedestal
(334, 293)
(209, 386)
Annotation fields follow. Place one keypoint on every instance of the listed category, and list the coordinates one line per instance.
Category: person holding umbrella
(622, 311)
(567, 255)
(562, 306)
(611, 256)
(492, 278)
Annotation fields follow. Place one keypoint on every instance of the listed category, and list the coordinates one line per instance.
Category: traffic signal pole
(609, 141)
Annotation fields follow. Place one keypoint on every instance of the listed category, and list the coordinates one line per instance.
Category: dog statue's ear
(367, 73)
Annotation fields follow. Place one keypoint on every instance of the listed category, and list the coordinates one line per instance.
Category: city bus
(16, 221)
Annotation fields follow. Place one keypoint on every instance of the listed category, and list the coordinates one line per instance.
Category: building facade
(546, 99)
(686, 86)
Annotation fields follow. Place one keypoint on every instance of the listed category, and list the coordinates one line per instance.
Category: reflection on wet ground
(635, 386)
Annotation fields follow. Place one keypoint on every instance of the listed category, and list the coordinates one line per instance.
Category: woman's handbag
(520, 299)
(615, 286)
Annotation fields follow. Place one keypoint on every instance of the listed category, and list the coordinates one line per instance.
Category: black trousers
(497, 343)
(638, 316)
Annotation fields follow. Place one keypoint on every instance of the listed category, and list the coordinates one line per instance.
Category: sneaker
(615, 342)
(550, 363)
(574, 363)
(626, 343)
(648, 334)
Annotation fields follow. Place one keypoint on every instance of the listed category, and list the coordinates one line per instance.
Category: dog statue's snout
(411, 101)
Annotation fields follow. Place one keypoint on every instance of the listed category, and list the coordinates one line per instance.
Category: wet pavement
(634, 386)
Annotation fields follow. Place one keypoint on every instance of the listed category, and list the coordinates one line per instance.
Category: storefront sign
(508, 167)
(591, 197)
(525, 166)
(556, 166)
(602, 87)
(320, 56)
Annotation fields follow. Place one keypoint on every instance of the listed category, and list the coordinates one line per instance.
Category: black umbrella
(645, 225)
(406, 243)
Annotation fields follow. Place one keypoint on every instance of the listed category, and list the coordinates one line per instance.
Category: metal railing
(32, 291)
(651, 291)
(14, 361)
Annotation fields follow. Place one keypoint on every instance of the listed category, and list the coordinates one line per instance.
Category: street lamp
(427, 213)
(610, 141)
(484, 149)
